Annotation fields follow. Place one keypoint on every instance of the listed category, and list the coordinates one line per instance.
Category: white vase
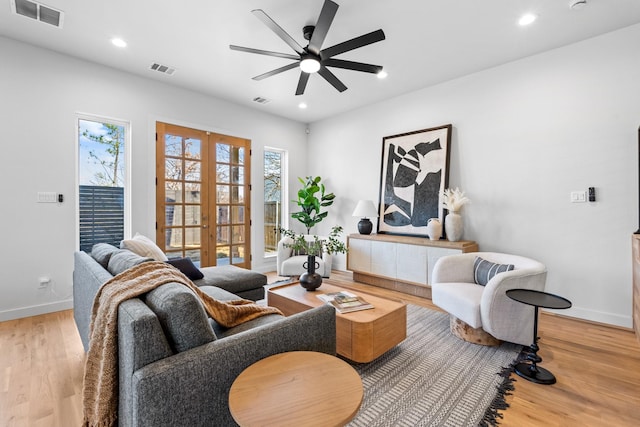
(453, 226)
(434, 229)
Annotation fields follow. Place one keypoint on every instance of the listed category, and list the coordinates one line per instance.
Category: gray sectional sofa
(176, 365)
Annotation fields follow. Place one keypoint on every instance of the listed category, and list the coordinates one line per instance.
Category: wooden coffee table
(298, 388)
(361, 336)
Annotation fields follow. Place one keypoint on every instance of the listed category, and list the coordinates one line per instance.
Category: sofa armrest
(284, 253)
(192, 387)
(88, 276)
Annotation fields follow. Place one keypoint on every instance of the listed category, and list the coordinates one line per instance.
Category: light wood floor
(598, 371)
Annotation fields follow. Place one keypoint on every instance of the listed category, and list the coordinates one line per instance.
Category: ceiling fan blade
(302, 83)
(263, 52)
(332, 79)
(276, 71)
(366, 39)
(325, 19)
(351, 65)
(259, 13)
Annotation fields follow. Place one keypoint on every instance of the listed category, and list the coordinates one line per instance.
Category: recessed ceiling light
(527, 19)
(382, 74)
(302, 105)
(118, 42)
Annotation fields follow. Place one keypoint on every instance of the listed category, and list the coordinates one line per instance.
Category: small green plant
(311, 202)
(316, 246)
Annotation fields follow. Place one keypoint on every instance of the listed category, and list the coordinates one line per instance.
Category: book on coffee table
(345, 302)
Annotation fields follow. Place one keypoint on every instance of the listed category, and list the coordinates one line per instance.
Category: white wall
(525, 135)
(40, 94)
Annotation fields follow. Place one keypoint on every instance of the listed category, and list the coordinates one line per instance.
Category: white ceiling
(427, 42)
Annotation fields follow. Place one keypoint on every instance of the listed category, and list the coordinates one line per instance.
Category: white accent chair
(488, 308)
(289, 264)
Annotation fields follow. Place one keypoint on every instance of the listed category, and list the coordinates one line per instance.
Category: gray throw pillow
(181, 315)
(484, 270)
(123, 259)
(102, 252)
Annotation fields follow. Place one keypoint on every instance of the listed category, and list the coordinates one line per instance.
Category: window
(274, 194)
(102, 210)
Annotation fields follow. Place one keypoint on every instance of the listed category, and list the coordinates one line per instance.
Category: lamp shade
(365, 209)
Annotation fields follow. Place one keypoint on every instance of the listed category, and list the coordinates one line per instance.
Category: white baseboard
(35, 310)
(596, 316)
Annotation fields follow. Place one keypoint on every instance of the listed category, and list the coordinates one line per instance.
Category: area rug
(435, 379)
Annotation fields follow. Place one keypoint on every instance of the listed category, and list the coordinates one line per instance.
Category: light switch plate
(578, 196)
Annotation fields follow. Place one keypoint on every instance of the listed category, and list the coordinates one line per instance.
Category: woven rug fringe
(491, 416)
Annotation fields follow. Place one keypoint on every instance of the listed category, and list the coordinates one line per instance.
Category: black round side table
(530, 370)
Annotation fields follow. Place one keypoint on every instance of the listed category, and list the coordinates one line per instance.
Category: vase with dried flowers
(453, 200)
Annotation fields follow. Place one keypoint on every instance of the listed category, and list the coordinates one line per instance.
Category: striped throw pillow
(144, 247)
(484, 270)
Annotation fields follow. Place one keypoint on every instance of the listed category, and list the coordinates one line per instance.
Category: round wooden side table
(299, 388)
(530, 370)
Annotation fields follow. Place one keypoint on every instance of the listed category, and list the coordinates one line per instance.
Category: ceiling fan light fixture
(382, 74)
(310, 65)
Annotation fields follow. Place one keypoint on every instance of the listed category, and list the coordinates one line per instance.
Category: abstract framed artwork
(414, 173)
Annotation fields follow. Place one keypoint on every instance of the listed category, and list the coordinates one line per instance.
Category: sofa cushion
(123, 259)
(484, 270)
(102, 252)
(181, 315)
(231, 278)
(144, 246)
(186, 266)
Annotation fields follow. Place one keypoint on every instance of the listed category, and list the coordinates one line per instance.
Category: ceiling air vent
(38, 11)
(164, 69)
(260, 100)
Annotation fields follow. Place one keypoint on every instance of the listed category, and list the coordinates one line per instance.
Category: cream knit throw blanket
(100, 392)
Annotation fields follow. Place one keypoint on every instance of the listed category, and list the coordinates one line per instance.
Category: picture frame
(414, 172)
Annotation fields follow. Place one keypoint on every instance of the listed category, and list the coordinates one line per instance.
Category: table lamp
(365, 209)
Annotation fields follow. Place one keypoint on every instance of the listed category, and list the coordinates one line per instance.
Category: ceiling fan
(313, 58)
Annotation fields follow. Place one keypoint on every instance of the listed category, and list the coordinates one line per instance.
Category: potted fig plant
(312, 197)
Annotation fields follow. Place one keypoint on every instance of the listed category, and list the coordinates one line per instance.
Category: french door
(202, 196)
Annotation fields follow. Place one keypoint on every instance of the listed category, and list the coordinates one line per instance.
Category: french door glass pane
(192, 171)
(223, 215)
(237, 194)
(172, 145)
(223, 235)
(237, 155)
(173, 239)
(192, 237)
(192, 192)
(222, 255)
(174, 215)
(222, 173)
(238, 234)
(173, 192)
(222, 195)
(192, 214)
(237, 214)
(192, 148)
(173, 169)
(222, 152)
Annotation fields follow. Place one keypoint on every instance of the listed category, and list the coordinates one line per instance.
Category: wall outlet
(43, 282)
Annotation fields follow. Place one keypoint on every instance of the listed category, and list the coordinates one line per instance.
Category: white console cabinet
(402, 263)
